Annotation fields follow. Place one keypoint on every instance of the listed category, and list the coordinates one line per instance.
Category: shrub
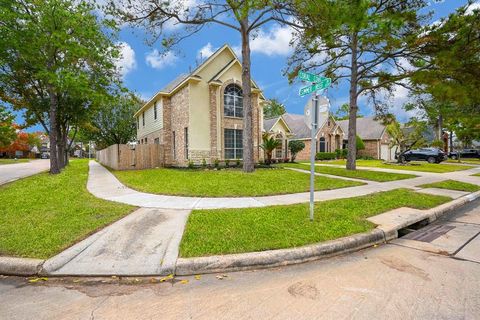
(238, 162)
(295, 146)
(204, 163)
(338, 153)
(344, 153)
(325, 156)
(360, 143)
(216, 163)
(190, 164)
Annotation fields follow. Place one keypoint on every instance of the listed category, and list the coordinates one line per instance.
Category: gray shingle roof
(296, 123)
(367, 128)
(269, 123)
(173, 84)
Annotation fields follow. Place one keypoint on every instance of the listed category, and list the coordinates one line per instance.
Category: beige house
(200, 115)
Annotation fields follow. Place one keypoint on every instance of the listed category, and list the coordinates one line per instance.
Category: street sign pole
(317, 83)
(314, 113)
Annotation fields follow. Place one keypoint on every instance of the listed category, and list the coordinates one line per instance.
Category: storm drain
(402, 233)
(429, 233)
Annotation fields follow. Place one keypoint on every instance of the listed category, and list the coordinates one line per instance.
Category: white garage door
(385, 152)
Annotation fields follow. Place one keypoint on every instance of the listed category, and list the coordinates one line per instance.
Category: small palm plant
(269, 144)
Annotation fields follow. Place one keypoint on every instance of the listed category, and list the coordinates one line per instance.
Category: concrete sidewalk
(143, 243)
(103, 184)
(12, 172)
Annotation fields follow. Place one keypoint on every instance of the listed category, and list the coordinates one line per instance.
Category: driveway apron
(145, 242)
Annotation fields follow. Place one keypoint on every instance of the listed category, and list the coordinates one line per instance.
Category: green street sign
(310, 77)
(323, 84)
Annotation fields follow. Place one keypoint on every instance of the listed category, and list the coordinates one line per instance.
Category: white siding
(151, 124)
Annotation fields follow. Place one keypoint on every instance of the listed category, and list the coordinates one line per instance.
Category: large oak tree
(56, 59)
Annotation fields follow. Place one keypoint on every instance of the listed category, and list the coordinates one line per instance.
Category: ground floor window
(321, 145)
(345, 144)
(174, 143)
(186, 142)
(233, 144)
(157, 141)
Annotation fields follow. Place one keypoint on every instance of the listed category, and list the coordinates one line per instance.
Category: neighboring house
(200, 115)
(330, 136)
(375, 136)
(277, 127)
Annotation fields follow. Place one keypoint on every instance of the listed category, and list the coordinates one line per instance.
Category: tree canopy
(363, 41)
(273, 108)
(57, 59)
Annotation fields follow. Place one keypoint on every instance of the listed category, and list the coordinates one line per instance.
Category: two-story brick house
(200, 115)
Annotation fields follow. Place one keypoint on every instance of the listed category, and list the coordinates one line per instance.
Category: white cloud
(126, 62)
(158, 60)
(472, 7)
(206, 51)
(238, 51)
(275, 41)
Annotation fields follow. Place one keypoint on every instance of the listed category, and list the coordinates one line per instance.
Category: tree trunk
(54, 168)
(60, 148)
(248, 158)
(352, 118)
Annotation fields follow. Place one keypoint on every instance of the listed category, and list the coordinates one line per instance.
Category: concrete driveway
(12, 172)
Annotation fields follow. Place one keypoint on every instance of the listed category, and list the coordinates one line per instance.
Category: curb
(20, 266)
(254, 260)
(276, 258)
(283, 257)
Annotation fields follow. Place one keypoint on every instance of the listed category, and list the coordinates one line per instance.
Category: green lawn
(358, 174)
(11, 161)
(467, 161)
(224, 231)
(476, 174)
(225, 183)
(411, 166)
(43, 214)
(452, 185)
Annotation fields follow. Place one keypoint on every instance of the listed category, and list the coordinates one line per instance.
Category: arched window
(233, 101)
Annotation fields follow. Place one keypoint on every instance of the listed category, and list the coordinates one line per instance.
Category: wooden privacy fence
(126, 157)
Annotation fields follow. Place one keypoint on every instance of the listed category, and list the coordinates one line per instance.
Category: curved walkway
(103, 184)
(146, 242)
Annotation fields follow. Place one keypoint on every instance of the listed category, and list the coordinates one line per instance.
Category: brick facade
(213, 94)
(179, 121)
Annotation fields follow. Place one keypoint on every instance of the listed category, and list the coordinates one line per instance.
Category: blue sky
(146, 71)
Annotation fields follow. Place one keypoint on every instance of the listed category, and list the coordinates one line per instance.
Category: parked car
(432, 155)
(45, 156)
(465, 153)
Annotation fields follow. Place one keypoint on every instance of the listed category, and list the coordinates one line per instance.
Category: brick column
(167, 131)
(213, 123)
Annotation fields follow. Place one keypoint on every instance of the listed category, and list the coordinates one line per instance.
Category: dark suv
(465, 153)
(432, 155)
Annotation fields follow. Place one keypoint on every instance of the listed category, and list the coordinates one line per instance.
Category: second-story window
(233, 101)
(155, 111)
(143, 118)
